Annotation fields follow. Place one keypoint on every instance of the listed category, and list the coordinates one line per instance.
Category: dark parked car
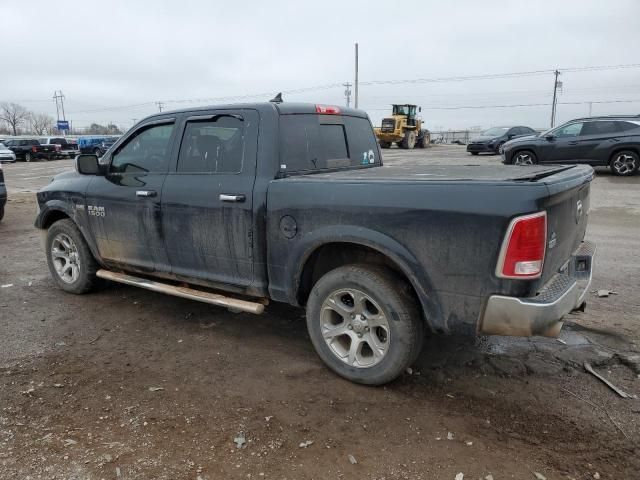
(28, 149)
(491, 140)
(290, 203)
(599, 141)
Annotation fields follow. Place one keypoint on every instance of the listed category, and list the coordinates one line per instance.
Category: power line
(464, 107)
(329, 86)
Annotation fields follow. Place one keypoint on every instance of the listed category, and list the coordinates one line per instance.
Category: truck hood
(444, 173)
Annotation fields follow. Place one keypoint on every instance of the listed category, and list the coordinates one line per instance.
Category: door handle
(145, 193)
(226, 197)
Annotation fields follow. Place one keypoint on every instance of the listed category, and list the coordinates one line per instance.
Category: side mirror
(550, 137)
(87, 164)
(510, 136)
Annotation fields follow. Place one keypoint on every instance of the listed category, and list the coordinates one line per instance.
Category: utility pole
(58, 97)
(347, 92)
(555, 98)
(356, 82)
(160, 105)
(590, 107)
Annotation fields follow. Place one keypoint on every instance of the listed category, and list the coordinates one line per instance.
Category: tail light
(34, 149)
(328, 109)
(57, 148)
(524, 246)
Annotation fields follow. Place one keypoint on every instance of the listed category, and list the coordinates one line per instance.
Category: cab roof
(284, 108)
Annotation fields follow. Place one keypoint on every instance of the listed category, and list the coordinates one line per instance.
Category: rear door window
(601, 127)
(317, 142)
(626, 126)
(212, 146)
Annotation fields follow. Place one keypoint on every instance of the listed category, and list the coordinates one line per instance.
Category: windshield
(495, 131)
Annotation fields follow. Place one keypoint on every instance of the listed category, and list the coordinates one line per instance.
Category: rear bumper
(542, 314)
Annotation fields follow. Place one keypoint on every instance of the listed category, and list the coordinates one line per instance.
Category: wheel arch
(57, 210)
(333, 251)
(619, 149)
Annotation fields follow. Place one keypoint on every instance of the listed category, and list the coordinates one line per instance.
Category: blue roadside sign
(63, 125)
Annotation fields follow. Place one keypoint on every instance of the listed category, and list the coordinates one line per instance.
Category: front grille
(388, 125)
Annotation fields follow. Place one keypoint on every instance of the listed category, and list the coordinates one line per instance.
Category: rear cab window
(315, 143)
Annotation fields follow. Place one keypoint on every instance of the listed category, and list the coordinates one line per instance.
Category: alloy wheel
(624, 164)
(355, 328)
(523, 159)
(65, 257)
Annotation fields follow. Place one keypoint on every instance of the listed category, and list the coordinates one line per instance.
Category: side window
(572, 130)
(625, 126)
(212, 146)
(362, 141)
(599, 127)
(515, 131)
(146, 152)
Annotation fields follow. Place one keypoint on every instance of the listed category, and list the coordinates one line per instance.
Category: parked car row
(609, 141)
(29, 149)
(52, 148)
(612, 141)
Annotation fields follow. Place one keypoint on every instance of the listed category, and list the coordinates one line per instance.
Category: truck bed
(450, 220)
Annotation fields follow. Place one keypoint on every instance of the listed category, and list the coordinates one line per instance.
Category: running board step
(190, 293)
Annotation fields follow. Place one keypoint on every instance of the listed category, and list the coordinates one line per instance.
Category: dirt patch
(129, 384)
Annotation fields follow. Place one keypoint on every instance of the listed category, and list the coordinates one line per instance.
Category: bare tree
(41, 123)
(15, 115)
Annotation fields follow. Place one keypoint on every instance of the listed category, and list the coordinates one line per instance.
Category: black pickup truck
(245, 204)
(29, 149)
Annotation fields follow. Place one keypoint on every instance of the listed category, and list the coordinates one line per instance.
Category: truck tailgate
(567, 208)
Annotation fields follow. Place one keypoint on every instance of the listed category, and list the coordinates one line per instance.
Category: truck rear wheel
(409, 140)
(27, 157)
(364, 323)
(70, 261)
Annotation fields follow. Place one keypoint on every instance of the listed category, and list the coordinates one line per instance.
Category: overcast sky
(113, 59)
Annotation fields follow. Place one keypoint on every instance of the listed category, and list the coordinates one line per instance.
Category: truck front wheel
(70, 261)
(364, 323)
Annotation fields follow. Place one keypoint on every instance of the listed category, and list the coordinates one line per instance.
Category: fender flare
(406, 262)
(61, 206)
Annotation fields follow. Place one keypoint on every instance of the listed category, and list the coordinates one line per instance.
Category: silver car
(6, 155)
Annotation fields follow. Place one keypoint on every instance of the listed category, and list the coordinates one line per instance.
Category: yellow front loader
(404, 128)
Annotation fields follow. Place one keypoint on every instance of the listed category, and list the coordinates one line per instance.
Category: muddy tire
(385, 144)
(624, 163)
(364, 323)
(28, 157)
(409, 140)
(70, 261)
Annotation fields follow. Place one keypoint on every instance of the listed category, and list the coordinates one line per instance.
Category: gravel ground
(128, 384)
